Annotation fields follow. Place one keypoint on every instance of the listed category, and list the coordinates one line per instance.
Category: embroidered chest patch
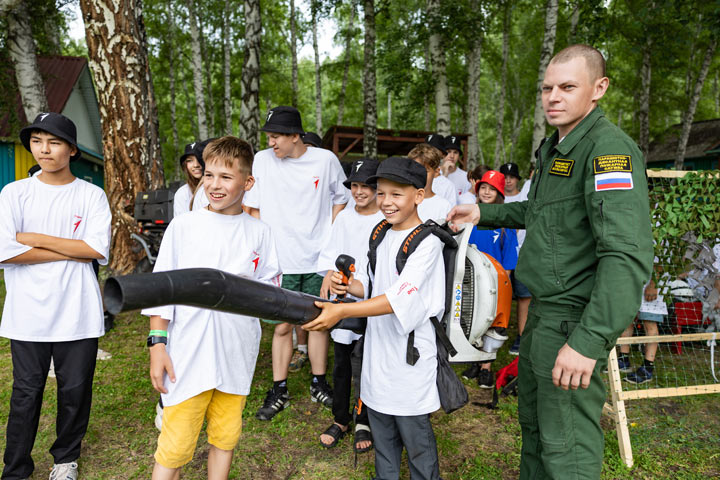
(612, 163)
(561, 167)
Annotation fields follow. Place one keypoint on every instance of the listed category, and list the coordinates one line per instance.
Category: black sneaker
(321, 393)
(274, 403)
(486, 379)
(472, 371)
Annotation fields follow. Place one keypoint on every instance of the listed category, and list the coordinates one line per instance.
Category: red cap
(494, 179)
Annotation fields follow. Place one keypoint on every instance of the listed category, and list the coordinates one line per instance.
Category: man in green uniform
(587, 254)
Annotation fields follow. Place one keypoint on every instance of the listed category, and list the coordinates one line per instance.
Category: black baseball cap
(361, 170)
(400, 170)
(284, 120)
(189, 152)
(453, 142)
(437, 141)
(510, 169)
(313, 139)
(54, 124)
(199, 149)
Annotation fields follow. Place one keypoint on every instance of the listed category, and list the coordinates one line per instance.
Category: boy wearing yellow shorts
(202, 361)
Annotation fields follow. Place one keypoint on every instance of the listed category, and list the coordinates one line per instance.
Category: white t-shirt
(181, 200)
(210, 349)
(54, 301)
(201, 200)
(435, 208)
(520, 197)
(389, 384)
(295, 197)
(467, 198)
(350, 235)
(460, 180)
(445, 188)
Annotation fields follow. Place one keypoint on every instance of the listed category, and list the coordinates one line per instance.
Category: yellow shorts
(181, 425)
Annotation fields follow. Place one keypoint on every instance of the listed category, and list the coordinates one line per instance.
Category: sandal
(362, 434)
(336, 433)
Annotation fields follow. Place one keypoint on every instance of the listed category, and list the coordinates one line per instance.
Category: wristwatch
(154, 340)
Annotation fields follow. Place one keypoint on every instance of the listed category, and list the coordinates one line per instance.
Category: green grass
(671, 438)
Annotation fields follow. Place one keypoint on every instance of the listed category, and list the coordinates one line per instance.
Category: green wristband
(158, 333)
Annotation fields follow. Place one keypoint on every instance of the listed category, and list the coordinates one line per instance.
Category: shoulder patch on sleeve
(561, 167)
(612, 163)
(613, 181)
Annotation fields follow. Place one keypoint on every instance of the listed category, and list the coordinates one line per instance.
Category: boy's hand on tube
(336, 283)
(159, 364)
(325, 287)
(330, 315)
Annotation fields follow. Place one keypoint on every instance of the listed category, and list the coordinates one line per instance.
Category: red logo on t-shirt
(77, 224)
(316, 181)
(255, 260)
(409, 288)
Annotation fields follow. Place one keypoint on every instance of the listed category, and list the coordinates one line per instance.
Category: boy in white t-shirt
(202, 361)
(399, 396)
(441, 185)
(433, 207)
(298, 192)
(52, 226)
(450, 166)
(350, 232)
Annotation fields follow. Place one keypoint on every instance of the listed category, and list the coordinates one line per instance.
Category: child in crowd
(451, 166)
(520, 292)
(298, 192)
(349, 235)
(193, 168)
(473, 177)
(399, 396)
(501, 244)
(433, 207)
(442, 186)
(202, 361)
(51, 226)
(200, 198)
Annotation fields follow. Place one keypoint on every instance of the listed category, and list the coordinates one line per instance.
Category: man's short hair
(232, 151)
(593, 59)
(428, 155)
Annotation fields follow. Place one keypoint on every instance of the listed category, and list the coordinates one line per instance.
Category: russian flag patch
(613, 181)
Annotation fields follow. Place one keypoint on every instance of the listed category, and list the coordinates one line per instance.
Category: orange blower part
(504, 298)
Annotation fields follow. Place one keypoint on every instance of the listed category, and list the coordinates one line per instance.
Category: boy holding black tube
(202, 361)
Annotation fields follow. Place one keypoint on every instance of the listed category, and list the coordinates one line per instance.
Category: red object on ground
(502, 375)
(686, 313)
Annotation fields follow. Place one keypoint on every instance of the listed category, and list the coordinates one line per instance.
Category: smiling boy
(202, 361)
(52, 226)
(399, 396)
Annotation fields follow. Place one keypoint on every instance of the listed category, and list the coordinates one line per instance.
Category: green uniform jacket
(589, 240)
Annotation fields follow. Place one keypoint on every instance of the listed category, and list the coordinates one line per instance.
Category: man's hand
(330, 315)
(159, 364)
(463, 214)
(572, 369)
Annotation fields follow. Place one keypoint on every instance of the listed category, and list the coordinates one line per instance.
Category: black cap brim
(393, 178)
(283, 130)
(25, 137)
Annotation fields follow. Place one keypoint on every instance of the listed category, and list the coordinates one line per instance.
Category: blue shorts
(519, 289)
(651, 317)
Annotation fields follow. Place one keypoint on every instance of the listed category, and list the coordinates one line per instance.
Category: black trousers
(74, 369)
(342, 381)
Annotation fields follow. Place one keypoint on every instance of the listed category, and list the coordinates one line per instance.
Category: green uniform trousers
(561, 434)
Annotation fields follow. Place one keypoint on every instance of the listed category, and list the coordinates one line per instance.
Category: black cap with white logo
(401, 170)
(189, 152)
(437, 141)
(510, 169)
(199, 148)
(361, 170)
(453, 142)
(284, 120)
(54, 124)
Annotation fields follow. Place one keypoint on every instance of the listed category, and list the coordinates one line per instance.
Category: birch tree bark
(227, 109)
(249, 124)
(437, 62)
(500, 113)
(22, 49)
(346, 67)
(318, 81)
(173, 92)
(293, 51)
(117, 48)
(690, 112)
(369, 86)
(473, 99)
(207, 70)
(644, 111)
(551, 12)
(197, 70)
(574, 20)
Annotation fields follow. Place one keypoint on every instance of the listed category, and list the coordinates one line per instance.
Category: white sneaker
(158, 416)
(64, 471)
(103, 355)
(51, 372)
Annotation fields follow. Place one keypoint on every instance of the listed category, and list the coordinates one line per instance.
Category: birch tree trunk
(369, 87)
(574, 20)
(249, 124)
(690, 113)
(207, 69)
(551, 12)
(437, 62)
(473, 99)
(227, 102)
(197, 70)
(293, 51)
(193, 123)
(346, 67)
(644, 111)
(22, 49)
(173, 93)
(318, 81)
(117, 47)
(500, 113)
